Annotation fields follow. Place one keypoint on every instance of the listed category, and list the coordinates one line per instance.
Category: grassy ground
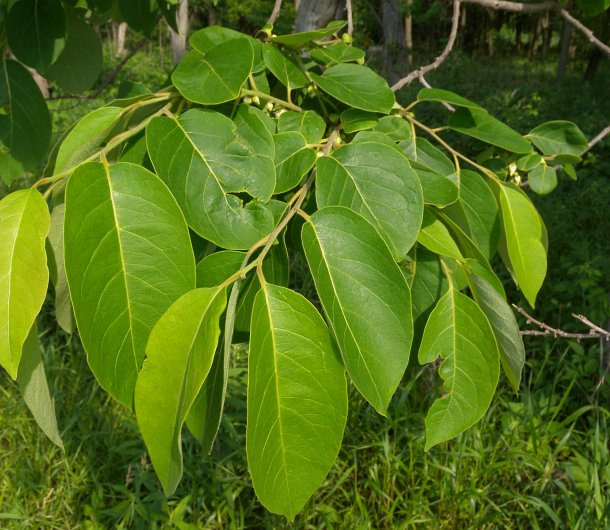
(537, 460)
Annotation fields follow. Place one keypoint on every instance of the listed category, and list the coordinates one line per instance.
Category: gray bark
(314, 14)
(178, 40)
(564, 53)
(395, 54)
(121, 32)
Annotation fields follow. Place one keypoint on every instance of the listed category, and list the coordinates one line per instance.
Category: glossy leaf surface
(203, 158)
(24, 276)
(358, 86)
(376, 181)
(128, 258)
(458, 332)
(179, 355)
(353, 269)
(297, 400)
(558, 138)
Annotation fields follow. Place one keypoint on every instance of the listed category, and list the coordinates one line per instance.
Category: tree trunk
(596, 54)
(547, 35)
(395, 55)
(313, 14)
(121, 32)
(178, 40)
(536, 28)
(409, 32)
(564, 53)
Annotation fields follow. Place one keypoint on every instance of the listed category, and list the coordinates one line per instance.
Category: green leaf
(458, 332)
(128, 258)
(529, 161)
(437, 94)
(86, 137)
(376, 181)
(309, 123)
(298, 40)
(593, 8)
(336, 53)
(358, 86)
(293, 160)
(297, 400)
(353, 120)
(218, 75)
(25, 128)
(24, 276)
(435, 236)
(36, 31)
(477, 212)
(63, 304)
(179, 355)
(570, 171)
(353, 269)
(438, 176)
(141, 15)
(35, 389)
(428, 283)
(283, 68)
(522, 247)
(558, 138)
(395, 127)
(204, 159)
(481, 125)
(216, 268)
(81, 61)
(207, 38)
(504, 326)
(542, 179)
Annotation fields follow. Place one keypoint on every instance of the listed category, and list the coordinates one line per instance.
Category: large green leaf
(297, 400)
(204, 159)
(35, 389)
(435, 236)
(179, 355)
(24, 276)
(283, 68)
(36, 31)
(558, 138)
(81, 61)
(438, 176)
(479, 124)
(309, 123)
(63, 304)
(293, 160)
(376, 181)
(504, 325)
(477, 212)
(365, 297)
(86, 137)
(458, 332)
(336, 53)
(128, 258)
(141, 15)
(25, 126)
(218, 75)
(542, 179)
(396, 128)
(297, 40)
(358, 86)
(522, 247)
(437, 94)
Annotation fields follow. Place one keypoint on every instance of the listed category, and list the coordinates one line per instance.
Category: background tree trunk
(313, 14)
(564, 52)
(178, 40)
(395, 54)
(121, 32)
(409, 32)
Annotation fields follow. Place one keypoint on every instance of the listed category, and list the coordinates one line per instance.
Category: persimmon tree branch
(595, 332)
(275, 13)
(350, 17)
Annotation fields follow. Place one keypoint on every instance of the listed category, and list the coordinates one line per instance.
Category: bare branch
(350, 18)
(503, 5)
(595, 332)
(425, 83)
(597, 138)
(518, 7)
(441, 58)
(275, 13)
